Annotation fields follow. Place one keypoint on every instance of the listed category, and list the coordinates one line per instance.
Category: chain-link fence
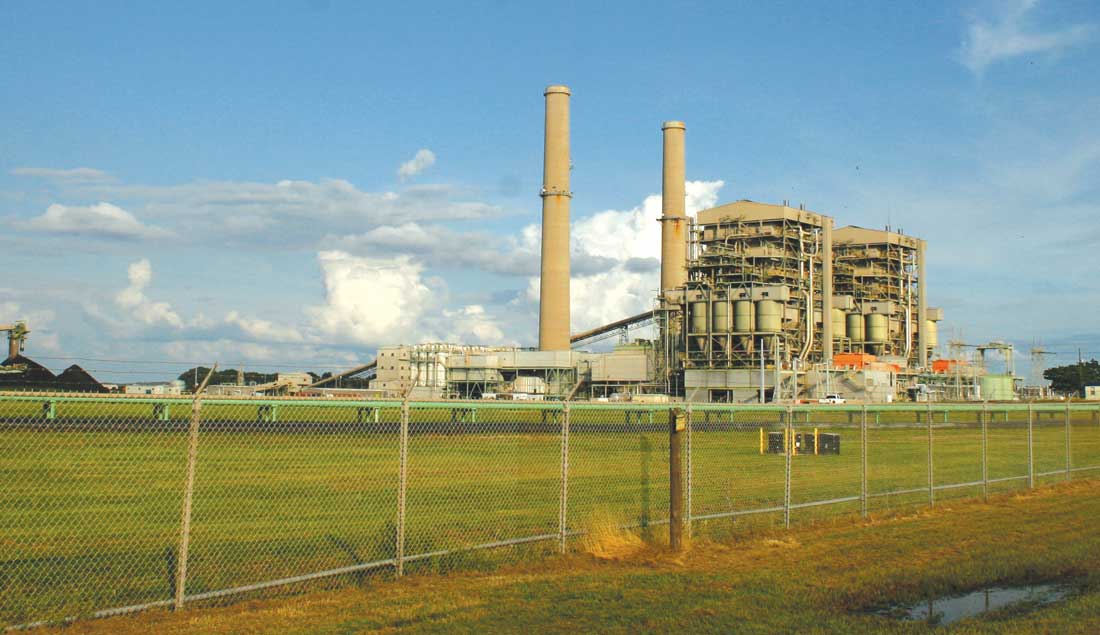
(110, 505)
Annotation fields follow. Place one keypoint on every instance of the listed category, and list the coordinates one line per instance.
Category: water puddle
(945, 610)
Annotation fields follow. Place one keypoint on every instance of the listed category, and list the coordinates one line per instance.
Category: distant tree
(228, 376)
(1072, 378)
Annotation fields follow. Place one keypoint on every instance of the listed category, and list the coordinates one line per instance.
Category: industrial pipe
(922, 306)
(673, 218)
(554, 272)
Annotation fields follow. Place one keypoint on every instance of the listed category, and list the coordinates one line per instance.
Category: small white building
(174, 387)
(1092, 393)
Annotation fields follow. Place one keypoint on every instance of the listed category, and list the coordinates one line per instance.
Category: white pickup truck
(831, 399)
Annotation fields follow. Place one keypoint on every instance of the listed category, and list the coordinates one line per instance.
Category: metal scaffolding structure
(756, 273)
(878, 278)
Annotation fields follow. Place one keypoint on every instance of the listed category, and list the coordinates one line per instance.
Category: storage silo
(744, 316)
(877, 328)
(768, 316)
(855, 327)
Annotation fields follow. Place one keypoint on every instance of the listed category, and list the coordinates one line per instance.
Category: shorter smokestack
(673, 218)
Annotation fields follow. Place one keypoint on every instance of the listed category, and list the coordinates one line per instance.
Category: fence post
(402, 483)
(863, 462)
(931, 479)
(563, 506)
(189, 490)
(677, 423)
(787, 451)
(1069, 456)
(1030, 449)
(985, 450)
(690, 471)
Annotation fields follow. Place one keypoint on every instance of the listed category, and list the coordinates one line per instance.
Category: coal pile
(21, 373)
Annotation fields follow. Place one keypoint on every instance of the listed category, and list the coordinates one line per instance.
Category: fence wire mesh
(94, 516)
(283, 490)
(898, 466)
(957, 453)
(479, 477)
(737, 474)
(826, 456)
(618, 470)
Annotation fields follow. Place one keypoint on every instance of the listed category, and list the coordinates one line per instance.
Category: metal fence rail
(112, 505)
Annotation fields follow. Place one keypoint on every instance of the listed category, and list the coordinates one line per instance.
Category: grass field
(90, 504)
(813, 579)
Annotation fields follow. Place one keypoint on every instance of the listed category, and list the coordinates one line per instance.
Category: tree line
(1072, 378)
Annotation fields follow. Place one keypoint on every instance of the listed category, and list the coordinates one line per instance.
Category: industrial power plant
(758, 303)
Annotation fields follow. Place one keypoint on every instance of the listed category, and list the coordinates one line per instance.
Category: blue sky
(196, 182)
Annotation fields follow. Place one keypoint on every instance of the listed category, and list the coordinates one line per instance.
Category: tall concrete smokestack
(554, 283)
(673, 220)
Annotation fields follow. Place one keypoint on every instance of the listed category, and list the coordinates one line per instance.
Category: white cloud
(1007, 36)
(422, 160)
(472, 325)
(132, 299)
(264, 330)
(439, 246)
(101, 219)
(294, 212)
(373, 301)
(370, 300)
(70, 175)
(622, 249)
(39, 321)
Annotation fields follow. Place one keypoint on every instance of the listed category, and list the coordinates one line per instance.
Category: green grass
(814, 579)
(90, 508)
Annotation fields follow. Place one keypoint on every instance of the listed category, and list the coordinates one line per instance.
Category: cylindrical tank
(697, 323)
(931, 334)
(531, 385)
(855, 327)
(838, 323)
(698, 317)
(744, 316)
(720, 316)
(768, 314)
(998, 388)
(877, 329)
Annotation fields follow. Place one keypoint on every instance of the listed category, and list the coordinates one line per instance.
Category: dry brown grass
(605, 539)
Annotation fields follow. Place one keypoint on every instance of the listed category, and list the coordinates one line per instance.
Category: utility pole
(761, 370)
(677, 423)
(1080, 373)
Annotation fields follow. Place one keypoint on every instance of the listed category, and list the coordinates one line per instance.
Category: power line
(190, 364)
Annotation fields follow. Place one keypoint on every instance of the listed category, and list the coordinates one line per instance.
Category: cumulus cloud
(373, 301)
(1008, 35)
(132, 299)
(101, 219)
(471, 324)
(422, 160)
(370, 300)
(619, 247)
(69, 175)
(39, 321)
